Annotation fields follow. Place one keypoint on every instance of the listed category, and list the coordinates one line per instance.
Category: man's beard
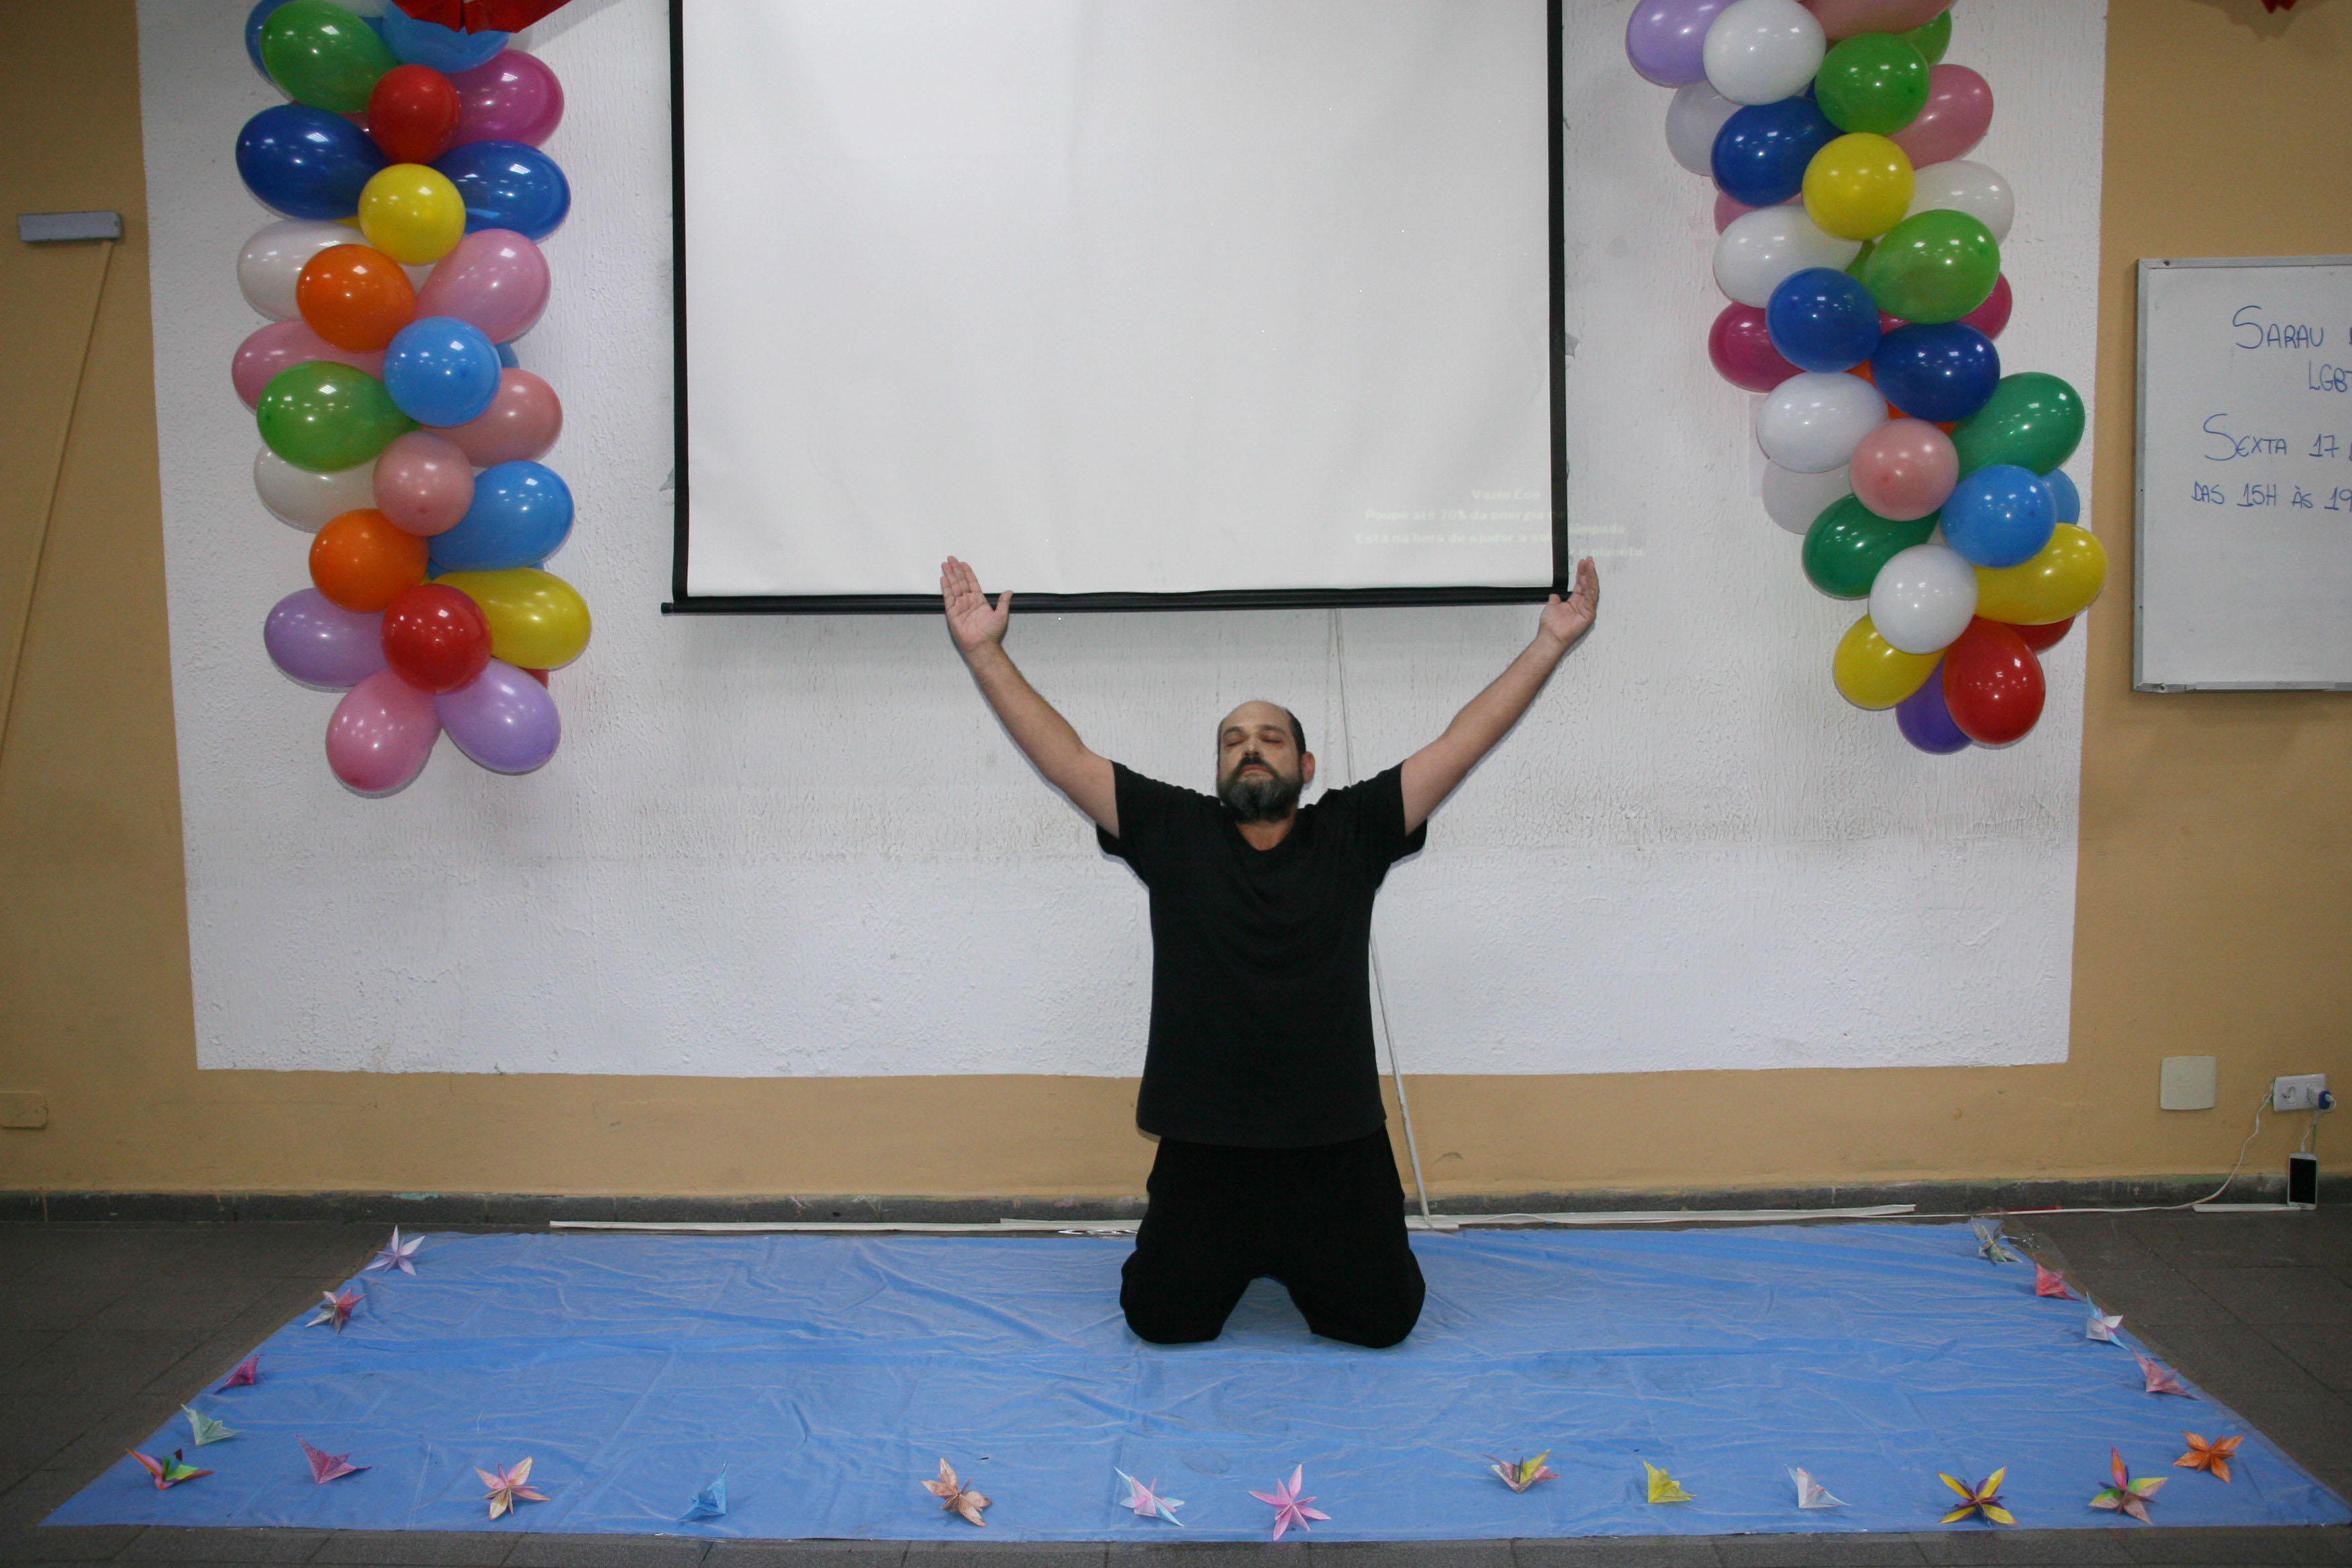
(1257, 797)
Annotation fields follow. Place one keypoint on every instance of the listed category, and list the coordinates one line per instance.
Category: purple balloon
(319, 642)
(504, 719)
(1666, 39)
(1926, 722)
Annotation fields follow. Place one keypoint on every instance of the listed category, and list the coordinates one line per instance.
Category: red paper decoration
(496, 15)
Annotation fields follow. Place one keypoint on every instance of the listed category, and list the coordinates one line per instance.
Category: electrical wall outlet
(2300, 1092)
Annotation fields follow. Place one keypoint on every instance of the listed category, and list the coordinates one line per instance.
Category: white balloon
(1795, 500)
(310, 500)
(1922, 598)
(1812, 422)
(1758, 251)
(1693, 119)
(1960, 185)
(274, 257)
(1761, 51)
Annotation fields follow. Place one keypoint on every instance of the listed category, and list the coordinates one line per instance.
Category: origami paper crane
(1147, 1502)
(2050, 1282)
(1289, 1508)
(1984, 1499)
(248, 1375)
(1663, 1488)
(481, 16)
(509, 1488)
(710, 1502)
(2160, 1379)
(397, 1254)
(2102, 1327)
(337, 1312)
(2213, 1457)
(955, 1497)
(2127, 1496)
(1988, 1245)
(170, 1472)
(1810, 1493)
(1521, 1474)
(205, 1428)
(325, 1466)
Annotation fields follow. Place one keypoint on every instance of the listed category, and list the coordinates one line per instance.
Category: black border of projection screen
(685, 603)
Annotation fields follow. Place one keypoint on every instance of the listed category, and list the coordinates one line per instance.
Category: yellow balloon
(412, 214)
(1872, 673)
(1858, 186)
(537, 620)
(2060, 582)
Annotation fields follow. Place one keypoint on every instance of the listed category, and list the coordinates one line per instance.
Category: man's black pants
(1328, 1223)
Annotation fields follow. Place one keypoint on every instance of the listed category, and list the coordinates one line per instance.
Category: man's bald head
(1263, 762)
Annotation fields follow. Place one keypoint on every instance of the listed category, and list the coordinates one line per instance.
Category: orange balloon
(355, 296)
(362, 561)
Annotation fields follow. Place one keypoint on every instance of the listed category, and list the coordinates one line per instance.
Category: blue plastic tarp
(827, 1376)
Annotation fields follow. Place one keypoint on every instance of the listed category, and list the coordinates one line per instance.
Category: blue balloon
(505, 184)
(2000, 516)
(306, 162)
(445, 50)
(253, 25)
(1940, 374)
(1821, 320)
(1761, 151)
(2068, 500)
(441, 371)
(507, 356)
(1927, 722)
(521, 515)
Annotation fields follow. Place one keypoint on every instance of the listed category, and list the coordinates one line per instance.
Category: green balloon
(1932, 40)
(327, 417)
(2033, 420)
(1848, 543)
(1853, 268)
(1874, 82)
(1933, 266)
(323, 56)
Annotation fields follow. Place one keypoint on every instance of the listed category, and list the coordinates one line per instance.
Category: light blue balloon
(2068, 500)
(2000, 516)
(441, 371)
(445, 50)
(521, 515)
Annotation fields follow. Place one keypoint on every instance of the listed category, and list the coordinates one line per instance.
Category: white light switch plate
(2187, 1084)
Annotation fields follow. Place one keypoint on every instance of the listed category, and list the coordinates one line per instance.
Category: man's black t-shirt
(1261, 1000)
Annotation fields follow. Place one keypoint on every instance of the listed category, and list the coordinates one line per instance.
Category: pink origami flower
(1289, 1508)
(325, 1466)
(337, 1312)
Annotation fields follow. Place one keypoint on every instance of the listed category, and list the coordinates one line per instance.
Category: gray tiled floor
(106, 1329)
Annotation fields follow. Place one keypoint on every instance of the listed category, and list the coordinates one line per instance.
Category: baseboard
(522, 1209)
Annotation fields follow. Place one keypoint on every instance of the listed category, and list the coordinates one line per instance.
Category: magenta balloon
(523, 420)
(1905, 469)
(1666, 39)
(381, 733)
(1843, 19)
(1743, 352)
(319, 642)
(514, 97)
(496, 278)
(1959, 114)
(423, 483)
(279, 344)
(504, 719)
(1991, 316)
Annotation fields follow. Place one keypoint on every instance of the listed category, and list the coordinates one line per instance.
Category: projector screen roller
(1130, 303)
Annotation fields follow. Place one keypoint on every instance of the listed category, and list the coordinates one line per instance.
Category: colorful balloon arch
(396, 424)
(1860, 250)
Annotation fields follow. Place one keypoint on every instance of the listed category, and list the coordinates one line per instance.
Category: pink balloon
(1959, 114)
(523, 420)
(514, 97)
(381, 732)
(423, 483)
(1905, 469)
(1743, 352)
(496, 278)
(1991, 316)
(1844, 18)
(281, 344)
(1726, 209)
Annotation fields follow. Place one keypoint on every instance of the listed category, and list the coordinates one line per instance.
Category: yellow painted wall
(2215, 894)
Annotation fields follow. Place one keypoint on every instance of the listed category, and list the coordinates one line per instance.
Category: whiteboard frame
(2149, 266)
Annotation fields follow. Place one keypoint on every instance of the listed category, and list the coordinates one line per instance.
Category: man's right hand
(970, 621)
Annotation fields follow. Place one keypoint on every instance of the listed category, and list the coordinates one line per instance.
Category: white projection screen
(1130, 303)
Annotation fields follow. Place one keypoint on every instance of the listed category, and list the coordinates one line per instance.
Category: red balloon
(2041, 639)
(1991, 316)
(1743, 352)
(1992, 683)
(435, 637)
(413, 113)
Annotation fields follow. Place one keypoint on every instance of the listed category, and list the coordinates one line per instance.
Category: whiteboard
(2243, 556)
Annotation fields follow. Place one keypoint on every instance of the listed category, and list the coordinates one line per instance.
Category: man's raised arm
(1042, 734)
(1431, 774)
